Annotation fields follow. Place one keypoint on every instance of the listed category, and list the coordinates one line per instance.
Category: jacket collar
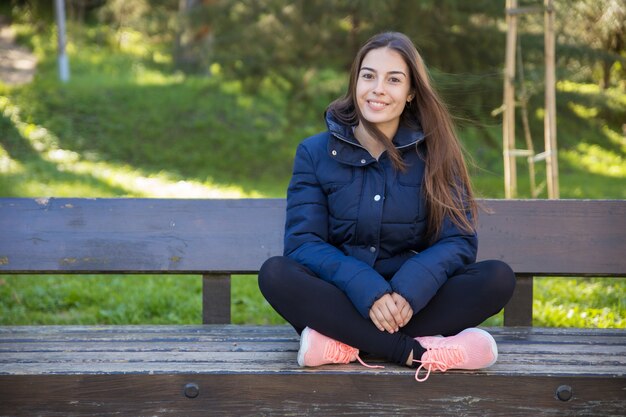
(346, 148)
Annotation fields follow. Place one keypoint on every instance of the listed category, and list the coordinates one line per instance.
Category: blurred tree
(194, 37)
(295, 40)
(455, 36)
(78, 9)
(124, 13)
(597, 28)
(38, 12)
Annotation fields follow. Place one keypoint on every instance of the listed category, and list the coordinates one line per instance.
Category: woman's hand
(390, 312)
(386, 315)
(406, 312)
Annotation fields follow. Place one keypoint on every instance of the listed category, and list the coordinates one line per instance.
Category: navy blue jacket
(359, 223)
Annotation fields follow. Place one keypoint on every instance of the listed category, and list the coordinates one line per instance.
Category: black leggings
(465, 300)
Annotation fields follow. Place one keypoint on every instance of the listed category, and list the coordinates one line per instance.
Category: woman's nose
(379, 88)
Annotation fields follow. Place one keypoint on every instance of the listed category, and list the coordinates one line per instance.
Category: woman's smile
(376, 105)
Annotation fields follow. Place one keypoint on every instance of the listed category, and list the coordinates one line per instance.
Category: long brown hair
(446, 180)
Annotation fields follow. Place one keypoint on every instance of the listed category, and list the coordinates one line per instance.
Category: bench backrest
(536, 237)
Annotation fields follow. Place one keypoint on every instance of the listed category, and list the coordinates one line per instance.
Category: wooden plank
(85, 351)
(253, 349)
(285, 365)
(283, 333)
(313, 394)
(555, 343)
(138, 235)
(536, 237)
(25, 363)
(553, 237)
(174, 344)
(519, 310)
(239, 333)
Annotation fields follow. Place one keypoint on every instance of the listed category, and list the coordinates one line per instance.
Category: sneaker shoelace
(341, 353)
(440, 358)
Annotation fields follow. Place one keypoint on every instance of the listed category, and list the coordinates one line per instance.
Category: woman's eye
(394, 80)
(367, 76)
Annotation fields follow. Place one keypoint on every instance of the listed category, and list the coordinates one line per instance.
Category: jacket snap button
(372, 249)
(334, 152)
(363, 161)
(377, 197)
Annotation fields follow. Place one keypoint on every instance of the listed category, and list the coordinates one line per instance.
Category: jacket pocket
(405, 204)
(342, 195)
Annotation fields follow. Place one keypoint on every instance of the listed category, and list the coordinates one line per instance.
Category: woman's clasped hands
(391, 312)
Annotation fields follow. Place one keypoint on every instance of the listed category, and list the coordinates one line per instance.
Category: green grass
(127, 125)
(577, 302)
(162, 299)
(63, 299)
(120, 299)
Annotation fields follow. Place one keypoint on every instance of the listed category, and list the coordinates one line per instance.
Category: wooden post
(527, 136)
(216, 299)
(552, 167)
(519, 310)
(508, 122)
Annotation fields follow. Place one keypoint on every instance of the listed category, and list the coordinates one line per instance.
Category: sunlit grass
(584, 112)
(124, 177)
(597, 160)
(571, 86)
(577, 302)
(615, 138)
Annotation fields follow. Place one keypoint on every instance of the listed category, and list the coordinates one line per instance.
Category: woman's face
(383, 89)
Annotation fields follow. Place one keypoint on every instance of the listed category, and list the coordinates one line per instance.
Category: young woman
(380, 237)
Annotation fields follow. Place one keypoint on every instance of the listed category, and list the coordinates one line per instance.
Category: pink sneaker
(317, 349)
(470, 349)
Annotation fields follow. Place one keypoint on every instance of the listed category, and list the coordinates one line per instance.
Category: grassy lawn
(176, 299)
(128, 126)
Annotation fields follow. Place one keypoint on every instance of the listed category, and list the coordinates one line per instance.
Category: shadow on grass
(28, 167)
(191, 131)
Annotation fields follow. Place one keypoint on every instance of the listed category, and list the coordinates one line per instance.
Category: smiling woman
(380, 239)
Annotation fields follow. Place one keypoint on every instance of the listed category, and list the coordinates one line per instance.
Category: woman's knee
(501, 278)
(280, 274)
(270, 273)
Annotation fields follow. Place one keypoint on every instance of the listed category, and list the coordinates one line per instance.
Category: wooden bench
(223, 369)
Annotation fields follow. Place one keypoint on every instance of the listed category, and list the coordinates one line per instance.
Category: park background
(209, 99)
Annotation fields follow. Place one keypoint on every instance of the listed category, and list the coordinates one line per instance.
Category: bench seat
(244, 370)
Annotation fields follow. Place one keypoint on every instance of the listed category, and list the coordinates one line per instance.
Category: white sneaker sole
(494, 346)
(304, 346)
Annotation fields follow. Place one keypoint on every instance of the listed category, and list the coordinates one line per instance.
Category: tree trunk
(606, 73)
(193, 42)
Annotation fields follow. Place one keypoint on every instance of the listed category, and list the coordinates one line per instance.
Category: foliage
(600, 24)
